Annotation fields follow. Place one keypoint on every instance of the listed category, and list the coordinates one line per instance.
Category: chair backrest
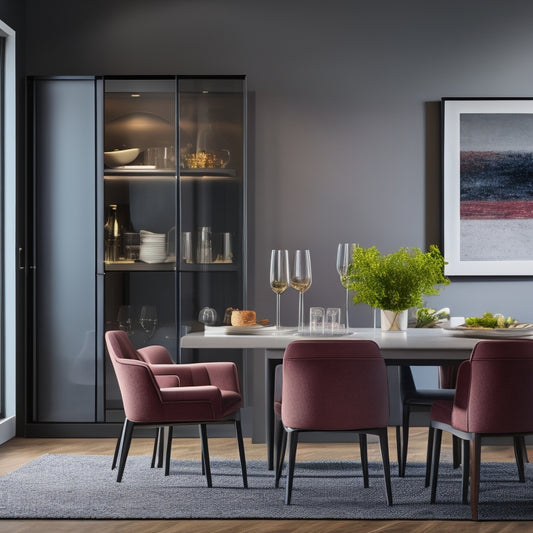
(494, 391)
(138, 387)
(334, 385)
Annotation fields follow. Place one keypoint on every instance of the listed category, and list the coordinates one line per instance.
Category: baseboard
(7, 429)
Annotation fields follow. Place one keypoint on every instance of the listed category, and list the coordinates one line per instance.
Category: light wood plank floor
(18, 451)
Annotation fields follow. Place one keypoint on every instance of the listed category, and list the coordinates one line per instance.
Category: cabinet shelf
(139, 266)
(189, 173)
(209, 267)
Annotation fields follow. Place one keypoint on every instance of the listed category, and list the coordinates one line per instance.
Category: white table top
(393, 344)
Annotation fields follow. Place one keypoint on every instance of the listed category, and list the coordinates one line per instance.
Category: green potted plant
(395, 282)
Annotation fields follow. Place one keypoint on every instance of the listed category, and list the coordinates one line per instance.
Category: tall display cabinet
(136, 191)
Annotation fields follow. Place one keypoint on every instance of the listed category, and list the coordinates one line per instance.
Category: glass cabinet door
(211, 180)
(140, 218)
(173, 224)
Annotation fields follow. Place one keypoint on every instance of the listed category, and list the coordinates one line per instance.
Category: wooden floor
(17, 452)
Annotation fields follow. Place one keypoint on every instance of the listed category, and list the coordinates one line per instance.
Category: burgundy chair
(280, 435)
(335, 386)
(494, 396)
(206, 393)
(414, 399)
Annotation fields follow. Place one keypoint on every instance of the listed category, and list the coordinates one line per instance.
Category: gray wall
(344, 115)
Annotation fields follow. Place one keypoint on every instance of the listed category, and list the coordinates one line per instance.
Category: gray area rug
(84, 487)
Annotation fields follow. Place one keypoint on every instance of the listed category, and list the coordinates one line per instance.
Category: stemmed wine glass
(301, 279)
(279, 277)
(344, 258)
(148, 319)
(125, 319)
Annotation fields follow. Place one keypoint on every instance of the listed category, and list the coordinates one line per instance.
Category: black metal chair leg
(280, 459)
(435, 462)
(364, 458)
(466, 470)
(168, 447)
(405, 438)
(205, 454)
(429, 454)
(518, 453)
(128, 431)
(399, 449)
(118, 447)
(293, 443)
(238, 431)
(456, 447)
(384, 445)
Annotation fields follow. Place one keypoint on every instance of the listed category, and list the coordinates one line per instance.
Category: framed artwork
(488, 186)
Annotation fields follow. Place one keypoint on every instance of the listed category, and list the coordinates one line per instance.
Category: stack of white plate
(153, 247)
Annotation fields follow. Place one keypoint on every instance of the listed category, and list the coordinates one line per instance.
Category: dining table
(413, 347)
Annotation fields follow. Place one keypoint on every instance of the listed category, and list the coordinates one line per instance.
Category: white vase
(394, 320)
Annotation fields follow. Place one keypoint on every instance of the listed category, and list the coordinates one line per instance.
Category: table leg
(270, 370)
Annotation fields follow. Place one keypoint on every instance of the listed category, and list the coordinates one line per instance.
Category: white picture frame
(487, 157)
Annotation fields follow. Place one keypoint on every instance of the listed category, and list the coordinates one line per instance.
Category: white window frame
(7, 424)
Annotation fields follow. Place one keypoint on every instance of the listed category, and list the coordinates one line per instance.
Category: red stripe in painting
(496, 210)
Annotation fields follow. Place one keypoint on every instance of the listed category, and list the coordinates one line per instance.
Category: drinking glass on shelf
(301, 279)
(279, 277)
(148, 319)
(344, 258)
(125, 319)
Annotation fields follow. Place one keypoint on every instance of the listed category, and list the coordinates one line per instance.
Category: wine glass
(279, 277)
(125, 319)
(301, 280)
(344, 258)
(148, 319)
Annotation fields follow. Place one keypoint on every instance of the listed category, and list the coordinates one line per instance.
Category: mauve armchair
(335, 386)
(493, 396)
(206, 393)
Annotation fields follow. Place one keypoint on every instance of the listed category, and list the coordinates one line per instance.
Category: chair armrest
(204, 393)
(165, 370)
(223, 375)
(167, 381)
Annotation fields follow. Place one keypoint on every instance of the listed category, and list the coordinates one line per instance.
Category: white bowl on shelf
(118, 158)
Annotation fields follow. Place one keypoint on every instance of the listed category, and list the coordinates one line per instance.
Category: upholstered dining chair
(335, 386)
(415, 399)
(280, 435)
(493, 396)
(206, 393)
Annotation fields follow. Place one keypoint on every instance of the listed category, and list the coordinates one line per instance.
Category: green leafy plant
(396, 281)
(427, 317)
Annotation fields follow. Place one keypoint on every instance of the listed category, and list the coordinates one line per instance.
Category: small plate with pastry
(243, 322)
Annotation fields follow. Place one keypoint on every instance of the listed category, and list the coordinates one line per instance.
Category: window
(7, 233)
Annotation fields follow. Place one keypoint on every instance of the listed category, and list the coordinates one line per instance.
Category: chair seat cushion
(196, 404)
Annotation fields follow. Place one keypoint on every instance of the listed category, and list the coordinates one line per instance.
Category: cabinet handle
(21, 259)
